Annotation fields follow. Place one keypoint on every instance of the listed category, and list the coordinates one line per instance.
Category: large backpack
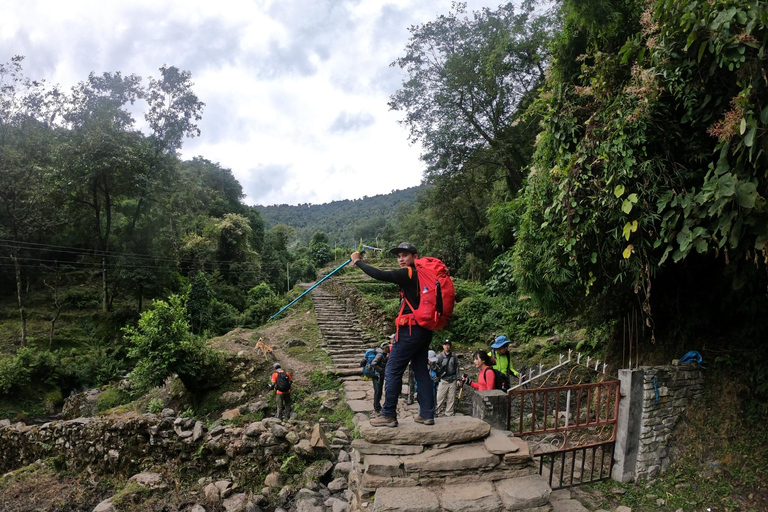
(368, 369)
(283, 381)
(436, 296)
(500, 381)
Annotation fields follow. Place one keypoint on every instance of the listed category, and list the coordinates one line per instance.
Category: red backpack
(436, 296)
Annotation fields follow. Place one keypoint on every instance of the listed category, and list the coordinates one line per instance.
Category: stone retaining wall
(653, 401)
(125, 445)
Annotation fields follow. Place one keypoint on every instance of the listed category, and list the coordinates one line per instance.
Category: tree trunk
(20, 298)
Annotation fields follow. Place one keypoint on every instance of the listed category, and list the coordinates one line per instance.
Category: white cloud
(296, 90)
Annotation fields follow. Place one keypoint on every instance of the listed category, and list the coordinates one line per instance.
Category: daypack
(283, 381)
(436, 296)
(500, 381)
(368, 369)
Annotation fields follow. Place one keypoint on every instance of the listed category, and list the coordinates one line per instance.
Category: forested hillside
(345, 222)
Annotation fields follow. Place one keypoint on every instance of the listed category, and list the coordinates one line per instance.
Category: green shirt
(503, 363)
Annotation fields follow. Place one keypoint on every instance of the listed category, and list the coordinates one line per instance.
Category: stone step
(452, 429)
(527, 494)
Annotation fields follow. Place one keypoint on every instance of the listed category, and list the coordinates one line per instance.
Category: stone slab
(360, 405)
(496, 474)
(454, 429)
(568, 505)
(371, 483)
(355, 395)
(454, 458)
(406, 499)
(522, 455)
(476, 497)
(523, 493)
(499, 443)
(383, 465)
(366, 448)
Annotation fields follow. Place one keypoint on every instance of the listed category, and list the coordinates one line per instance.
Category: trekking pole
(312, 287)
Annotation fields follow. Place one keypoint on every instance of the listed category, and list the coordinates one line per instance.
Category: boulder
(230, 414)
(279, 430)
(105, 506)
(317, 471)
(236, 503)
(525, 492)
(318, 440)
(344, 467)
(303, 448)
(274, 479)
(338, 484)
(232, 397)
(149, 480)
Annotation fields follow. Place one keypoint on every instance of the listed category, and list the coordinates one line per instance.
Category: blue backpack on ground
(368, 370)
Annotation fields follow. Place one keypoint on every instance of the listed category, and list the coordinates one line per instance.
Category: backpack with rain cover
(436, 296)
(283, 381)
(368, 369)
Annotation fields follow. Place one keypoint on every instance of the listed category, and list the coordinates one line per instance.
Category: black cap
(447, 342)
(405, 246)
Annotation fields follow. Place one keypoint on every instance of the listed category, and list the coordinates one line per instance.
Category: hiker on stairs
(281, 382)
(500, 356)
(374, 363)
(448, 366)
(411, 342)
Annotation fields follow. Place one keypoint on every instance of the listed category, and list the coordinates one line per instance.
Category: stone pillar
(628, 425)
(654, 399)
(491, 407)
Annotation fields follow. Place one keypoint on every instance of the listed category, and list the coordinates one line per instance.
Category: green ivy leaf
(742, 126)
(632, 198)
(746, 194)
(726, 185)
(626, 206)
(750, 137)
(627, 231)
(618, 191)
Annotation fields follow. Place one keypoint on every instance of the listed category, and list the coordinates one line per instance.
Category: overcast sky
(295, 90)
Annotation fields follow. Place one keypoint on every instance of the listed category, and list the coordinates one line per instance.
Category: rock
(285, 493)
(274, 479)
(149, 480)
(383, 465)
(344, 467)
(413, 499)
(198, 431)
(295, 343)
(292, 437)
(235, 503)
(230, 414)
(453, 429)
(338, 484)
(211, 493)
(559, 495)
(105, 506)
(254, 429)
(340, 434)
(225, 488)
(197, 508)
(254, 407)
(340, 506)
(498, 443)
(307, 505)
(317, 471)
(524, 492)
(567, 505)
(367, 448)
(474, 497)
(522, 455)
(304, 493)
(167, 413)
(344, 456)
(318, 440)
(5, 423)
(278, 430)
(267, 439)
(303, 448)
(622, 508)
(202, 482)
(232, 397)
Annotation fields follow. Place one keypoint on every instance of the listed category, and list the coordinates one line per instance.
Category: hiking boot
(384, 421)
(424, 421)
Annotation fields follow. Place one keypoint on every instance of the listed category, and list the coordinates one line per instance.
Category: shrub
(225, 317)
(163, 345)
(155, 406)
(26, 367)
(262, 304)
(78, 298)
(111, 397)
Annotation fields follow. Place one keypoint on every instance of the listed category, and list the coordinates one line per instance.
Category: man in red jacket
(281, 381)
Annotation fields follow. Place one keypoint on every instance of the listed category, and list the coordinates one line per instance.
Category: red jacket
(485, 381)
(274, 381)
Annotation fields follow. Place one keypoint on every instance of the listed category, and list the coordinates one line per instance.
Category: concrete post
(628, 425)
(491, 407)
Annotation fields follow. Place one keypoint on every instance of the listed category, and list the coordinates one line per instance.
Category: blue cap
(500, 341)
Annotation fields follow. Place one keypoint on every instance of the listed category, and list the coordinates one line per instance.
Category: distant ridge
(344, 221)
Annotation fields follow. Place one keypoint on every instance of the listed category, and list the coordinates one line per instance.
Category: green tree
(162, 345)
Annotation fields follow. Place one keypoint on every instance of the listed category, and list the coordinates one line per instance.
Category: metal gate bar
(557, 461)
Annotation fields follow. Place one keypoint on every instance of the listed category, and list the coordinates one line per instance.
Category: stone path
(345, 341)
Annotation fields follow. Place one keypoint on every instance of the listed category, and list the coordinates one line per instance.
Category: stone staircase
(344, 340)
(460, 464)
